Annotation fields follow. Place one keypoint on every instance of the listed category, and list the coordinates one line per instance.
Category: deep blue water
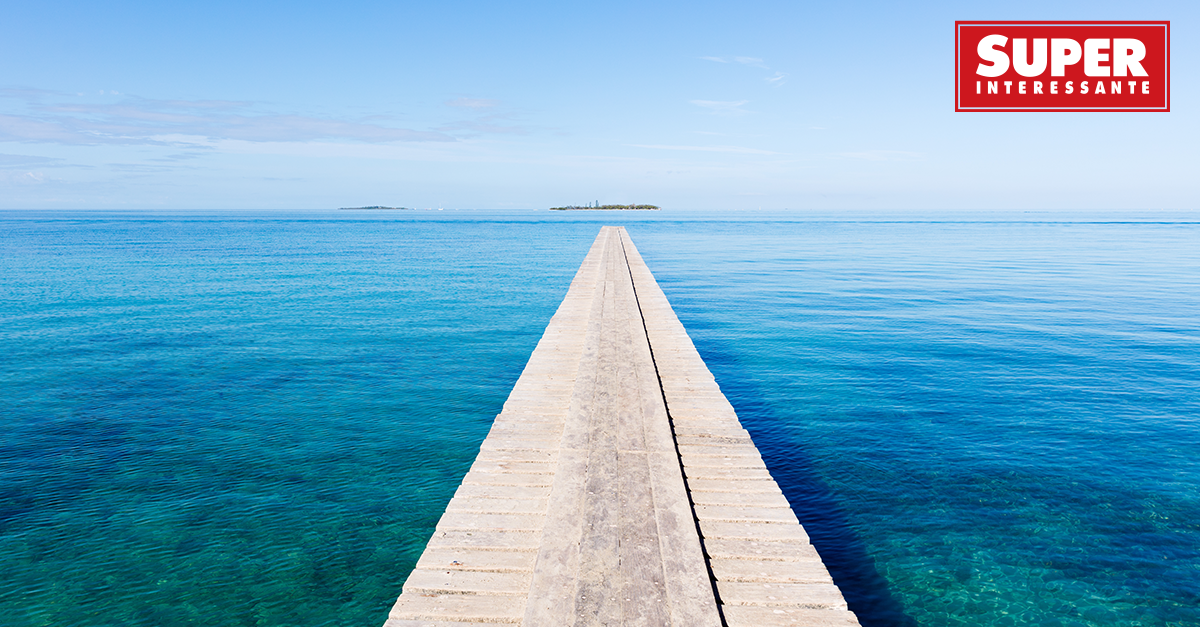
(256, 419)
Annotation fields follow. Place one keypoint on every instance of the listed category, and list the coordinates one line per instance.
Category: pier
(617, 487)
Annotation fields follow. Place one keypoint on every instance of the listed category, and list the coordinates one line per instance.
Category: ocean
(241, 418)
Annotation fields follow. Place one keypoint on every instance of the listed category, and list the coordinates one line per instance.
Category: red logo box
(1062, 66)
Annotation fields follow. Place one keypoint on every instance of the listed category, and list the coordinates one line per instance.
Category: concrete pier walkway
(617, 487)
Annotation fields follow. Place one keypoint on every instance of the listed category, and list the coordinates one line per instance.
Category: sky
(527, 105)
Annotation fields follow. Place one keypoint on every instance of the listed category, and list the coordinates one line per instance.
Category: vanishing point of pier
(617, 487)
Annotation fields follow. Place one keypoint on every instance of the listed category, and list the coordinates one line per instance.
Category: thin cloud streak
(486, 125)
(25, 161)
(23, 178)
(472, 103)
(883, 155)
(138, 121)
(752, 61)
(730, 149)
(775, 80)
(722, 107)
(491, 123)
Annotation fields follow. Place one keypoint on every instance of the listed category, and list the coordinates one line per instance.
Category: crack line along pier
(617, 487)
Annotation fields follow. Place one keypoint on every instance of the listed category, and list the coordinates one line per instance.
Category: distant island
(599, 207)
(375, 208)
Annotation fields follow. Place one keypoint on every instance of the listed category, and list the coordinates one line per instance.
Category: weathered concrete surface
(617, 487)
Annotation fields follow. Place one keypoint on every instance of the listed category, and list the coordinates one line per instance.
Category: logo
(1062, 66)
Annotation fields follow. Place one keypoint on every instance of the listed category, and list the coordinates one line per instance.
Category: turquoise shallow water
(249, 419)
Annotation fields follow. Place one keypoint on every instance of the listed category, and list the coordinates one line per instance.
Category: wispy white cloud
(22, 178)
(29, 93)
(722, 107)
(774, 80)
(194, 152)
(883, 155)
(26, 161)
(752, 61)
(50, 118)
(137, 168)
(488, 122)
(732, 149)
(472, 103)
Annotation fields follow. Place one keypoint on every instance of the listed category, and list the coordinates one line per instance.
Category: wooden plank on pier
(617, 487)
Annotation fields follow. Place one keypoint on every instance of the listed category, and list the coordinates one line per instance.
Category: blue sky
(472, 105)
